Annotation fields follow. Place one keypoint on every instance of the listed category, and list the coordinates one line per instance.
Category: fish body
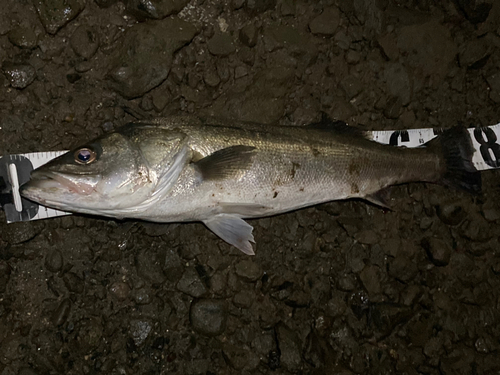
(190, 169)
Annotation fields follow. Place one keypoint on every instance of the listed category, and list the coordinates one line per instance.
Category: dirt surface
(344, 287)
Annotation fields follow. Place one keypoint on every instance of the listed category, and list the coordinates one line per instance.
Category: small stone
(473, 53)
(26, 371)
(370, 277)
(336, 307)
(208, 317)
(120, 290)
(439, 251)
(240, 71)
(54, 14)
(5, 271)
(248, 270)
(23, 37)
(211, 78)
(73, 282)
(19, 232)
(451, 213)
(19, 75)
(238, 4)
(140, 330)
(142, 297)
(156, 9)
(346, 283)
(61, 314)
(244, 299)
(367, 237)
(84, 42)
(190, 283)
(352, 86)
(54, 261)
(389, 46)
(221, 44)
(326, 23)
(105, 3)
(394, 107)
(248, 35)
(403, 268)
(290, 348)
(149, 264)
(352, 57)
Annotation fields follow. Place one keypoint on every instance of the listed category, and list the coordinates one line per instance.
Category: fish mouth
(53, 182)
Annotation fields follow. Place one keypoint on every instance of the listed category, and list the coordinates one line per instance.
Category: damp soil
(340, 288)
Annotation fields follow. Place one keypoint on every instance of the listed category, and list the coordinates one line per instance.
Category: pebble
(451, 213)
(221, 44)
(142, 296)
(438, 251)
(398, 82)
(393, 107)
(61, 314)
(156, 9)
(149, 266)
(26, 371)
(84, 41)
(73, 282)
(248, 35)
(473, 52)
(120, 290)
(23, 37)
(208, 317)
(140, 330)
(351, 86)
(248, 270)
(244, 299)
(19, 232)
(403, 268)
(367, 237)
(190, 283)
(290, 348)
(5, 271)
(494, 83)
(54, 14)
(370, 277)
(211, 78)
(54, 261)
(326, 23)
(20, 76)
(336, 306)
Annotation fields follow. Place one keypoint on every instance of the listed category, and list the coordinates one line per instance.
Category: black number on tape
(488, 144)
(405, 137)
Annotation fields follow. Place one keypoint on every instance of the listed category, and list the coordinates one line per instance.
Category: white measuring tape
(15, 169)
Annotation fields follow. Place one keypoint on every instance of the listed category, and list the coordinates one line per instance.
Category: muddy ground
(343, 287)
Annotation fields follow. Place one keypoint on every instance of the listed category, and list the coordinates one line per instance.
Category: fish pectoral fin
(234, 230)
(380, 198)
(224, 163)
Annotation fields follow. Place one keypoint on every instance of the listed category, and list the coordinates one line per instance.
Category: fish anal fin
(380, 198)
(228, 162)
(234, 230)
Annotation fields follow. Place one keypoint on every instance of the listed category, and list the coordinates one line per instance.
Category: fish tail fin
(455, 146)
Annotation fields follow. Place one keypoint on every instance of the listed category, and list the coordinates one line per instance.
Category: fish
(219, 172)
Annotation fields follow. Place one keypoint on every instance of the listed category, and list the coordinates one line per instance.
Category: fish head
(114, 175)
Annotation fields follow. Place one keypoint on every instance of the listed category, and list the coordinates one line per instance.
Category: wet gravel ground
(343, 287)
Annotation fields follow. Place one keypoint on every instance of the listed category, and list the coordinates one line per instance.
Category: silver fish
(182, 169)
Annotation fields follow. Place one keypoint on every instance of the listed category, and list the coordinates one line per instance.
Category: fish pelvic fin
(455, 146)
(234, 230)
(225, 163)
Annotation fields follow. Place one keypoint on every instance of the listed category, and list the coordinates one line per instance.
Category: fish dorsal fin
(225, 163)
(234, 230)
(338, 127)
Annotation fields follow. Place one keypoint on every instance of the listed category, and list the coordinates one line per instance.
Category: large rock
(428, 46)
(145, 57)
(54, 14)
(156, 9)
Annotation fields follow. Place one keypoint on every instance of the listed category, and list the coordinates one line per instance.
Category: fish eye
(85, 155)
